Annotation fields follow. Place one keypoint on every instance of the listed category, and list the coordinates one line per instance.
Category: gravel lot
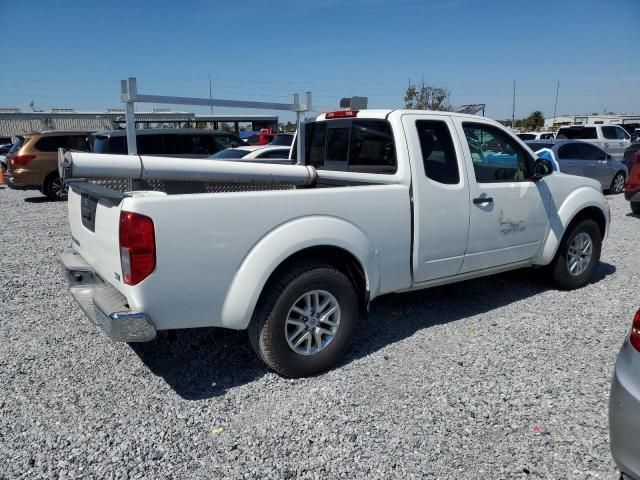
(445, 383)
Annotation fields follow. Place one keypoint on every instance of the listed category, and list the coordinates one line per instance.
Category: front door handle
(483, 200)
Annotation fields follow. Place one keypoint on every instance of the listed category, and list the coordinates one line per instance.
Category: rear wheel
(635, 207)
(54, 187)
(306, 321)
(617, 184)
(577, 256)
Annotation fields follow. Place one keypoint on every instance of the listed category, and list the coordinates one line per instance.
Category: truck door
(440, 196)
(508, 219)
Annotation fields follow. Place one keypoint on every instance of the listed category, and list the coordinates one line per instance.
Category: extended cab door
(440, 196)
(508, 218)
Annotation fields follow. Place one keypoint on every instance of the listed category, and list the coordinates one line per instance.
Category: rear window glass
(364, 146)
(230, 153)
(580, 133)
(79, 143)
(535, 146)
(227, 141)
(282, 140)
(51, 144)
(438, 153)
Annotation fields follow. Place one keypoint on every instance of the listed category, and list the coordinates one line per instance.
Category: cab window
(496, 157)
(438, 153)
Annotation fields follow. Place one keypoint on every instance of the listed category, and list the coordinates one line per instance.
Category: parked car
(613, 139)
(285, 139)
(632, 187)
(254, 152)
(582, 158)
(388, 201)
(535, 136)
(181, 142)
(33, 161)
(5, 147)
(624, 405)
(630, 153)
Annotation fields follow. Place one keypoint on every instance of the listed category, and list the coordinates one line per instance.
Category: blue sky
(73, 54)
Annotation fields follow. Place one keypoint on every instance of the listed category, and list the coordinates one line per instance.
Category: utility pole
(210, 93)
(513, 111)
(555, 106)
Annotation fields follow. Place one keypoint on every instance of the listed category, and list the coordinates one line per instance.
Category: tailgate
(95, 220)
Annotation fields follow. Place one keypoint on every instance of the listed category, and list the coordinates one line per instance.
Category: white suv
(613, 139)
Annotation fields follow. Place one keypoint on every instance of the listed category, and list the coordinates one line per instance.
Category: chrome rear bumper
(103, 304)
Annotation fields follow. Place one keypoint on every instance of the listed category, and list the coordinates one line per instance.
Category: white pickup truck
(384, 201)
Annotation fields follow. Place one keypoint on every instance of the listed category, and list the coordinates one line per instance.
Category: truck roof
(384, 113)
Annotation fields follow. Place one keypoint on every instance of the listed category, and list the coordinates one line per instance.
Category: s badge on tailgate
(88, 207)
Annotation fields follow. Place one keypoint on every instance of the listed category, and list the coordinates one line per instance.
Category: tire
(580, 272)
(617, 184)
(635, 207)
(277, 324)
(54, 187)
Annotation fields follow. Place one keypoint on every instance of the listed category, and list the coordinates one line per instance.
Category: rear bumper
(624, 412)
(103, 304)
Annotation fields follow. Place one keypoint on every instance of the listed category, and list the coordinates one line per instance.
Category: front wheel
(305, 322)
(617, 184)
(577, 256)
(54, 187)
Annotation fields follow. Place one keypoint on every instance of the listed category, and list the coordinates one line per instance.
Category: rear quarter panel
(208, 243)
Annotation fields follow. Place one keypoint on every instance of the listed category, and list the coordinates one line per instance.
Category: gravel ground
(445, 383)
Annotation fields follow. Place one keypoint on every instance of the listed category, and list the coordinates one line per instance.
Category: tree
(290, 127)
(427, 97)
(534, 121)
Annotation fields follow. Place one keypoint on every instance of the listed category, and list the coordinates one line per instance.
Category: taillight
(341, 114)
(137, 247)
(633, 182)
(634, 336)
(21, 160)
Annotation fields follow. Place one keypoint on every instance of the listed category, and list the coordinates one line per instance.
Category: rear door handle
(483, 200)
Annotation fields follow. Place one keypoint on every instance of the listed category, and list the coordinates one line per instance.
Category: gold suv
(33, 161)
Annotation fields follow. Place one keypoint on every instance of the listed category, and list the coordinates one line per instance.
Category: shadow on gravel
(38, 200)
(634, 215)
(206, 362)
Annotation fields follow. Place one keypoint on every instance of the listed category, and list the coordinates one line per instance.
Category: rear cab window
(578, 133)
(353, 145)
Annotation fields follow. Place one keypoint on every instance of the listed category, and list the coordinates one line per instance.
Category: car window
(150, 145)
(496, 157)
(438, 153)
(590, 152)
(77, 142)
(535, 146)
(52, 144)
(546, 136)
(570, 151)
(315, 134)
(337, 150)
(577, 133)
(526, 136)
(622, 134)
(228, 140)
(609, 133)
(285, 140)
(372, 149)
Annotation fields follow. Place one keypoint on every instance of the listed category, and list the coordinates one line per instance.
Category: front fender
(282, 242)
(560, 218)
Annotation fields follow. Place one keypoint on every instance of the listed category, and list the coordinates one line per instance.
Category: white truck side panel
(203, 242)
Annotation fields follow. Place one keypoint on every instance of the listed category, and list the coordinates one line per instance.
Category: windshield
(230, 153)
(18, 145)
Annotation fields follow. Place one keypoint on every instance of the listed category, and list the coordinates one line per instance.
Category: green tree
(427, 97)
(534, 121)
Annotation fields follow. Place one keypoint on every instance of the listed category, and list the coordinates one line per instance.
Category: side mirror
(541, 168)
(609, 157)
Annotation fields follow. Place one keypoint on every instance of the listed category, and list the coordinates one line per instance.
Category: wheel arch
(579, 206)
(330, 240)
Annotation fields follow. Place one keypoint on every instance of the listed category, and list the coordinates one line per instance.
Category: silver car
(624, 405)
(585, 159)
